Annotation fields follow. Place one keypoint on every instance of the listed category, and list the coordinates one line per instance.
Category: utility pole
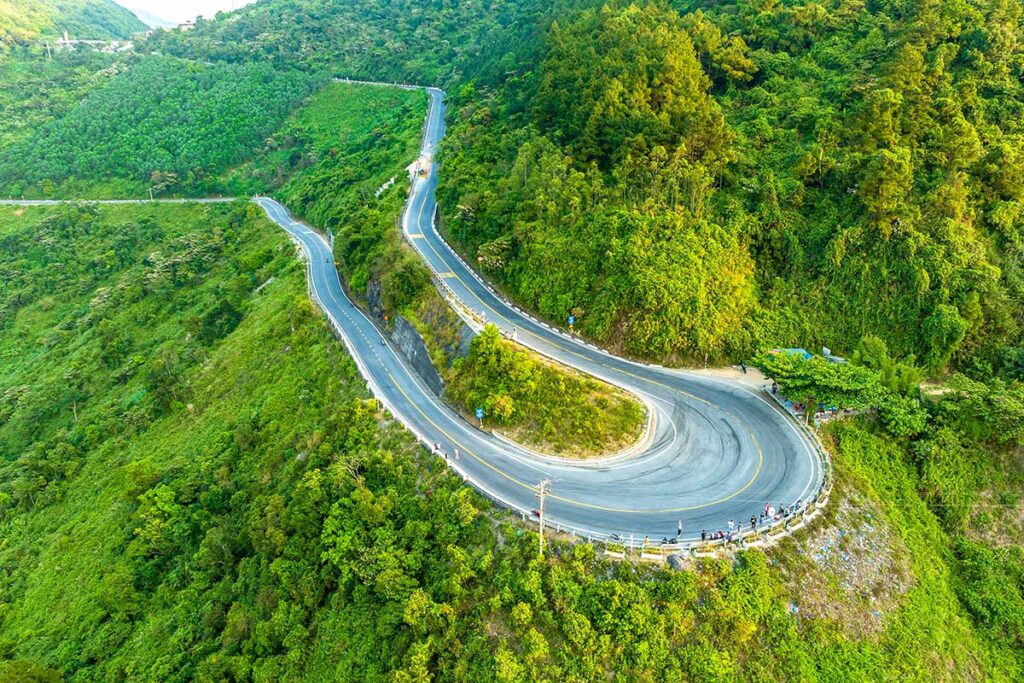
(542, 492)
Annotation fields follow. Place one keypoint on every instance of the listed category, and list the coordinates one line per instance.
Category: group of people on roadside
(437, 450)
(768, 516)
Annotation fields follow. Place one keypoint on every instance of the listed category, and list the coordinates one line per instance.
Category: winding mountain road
(718, 450)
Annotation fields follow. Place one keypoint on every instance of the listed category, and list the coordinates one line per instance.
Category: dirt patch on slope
(852, 570)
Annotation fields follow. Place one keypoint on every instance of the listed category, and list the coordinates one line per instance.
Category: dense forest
(704, 185)
(195, 486)
(692, 193)
(399, 40)
(22, 21)
(38, 90)
(162, 124)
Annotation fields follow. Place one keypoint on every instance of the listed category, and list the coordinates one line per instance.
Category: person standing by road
(679, 528)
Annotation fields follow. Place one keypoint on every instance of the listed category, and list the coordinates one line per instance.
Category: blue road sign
(479, 413)
(572, 320)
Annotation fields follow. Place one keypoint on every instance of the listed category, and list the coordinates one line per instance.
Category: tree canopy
(162, 115)
(866, 188)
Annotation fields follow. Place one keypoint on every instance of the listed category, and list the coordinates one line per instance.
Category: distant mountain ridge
(22, 21)
(148, 18)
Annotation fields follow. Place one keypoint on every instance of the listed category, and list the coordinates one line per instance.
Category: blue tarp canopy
(802, 353)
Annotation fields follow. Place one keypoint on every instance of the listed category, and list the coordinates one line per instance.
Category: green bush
(546, 404)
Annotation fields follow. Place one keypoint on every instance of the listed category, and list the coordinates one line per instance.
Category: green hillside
(705, 181)
(39, 90)
(401, 40)
(25, 20)
(194, 484)
(162, 123)
(94, 19)
(194, 487)
(753, 178)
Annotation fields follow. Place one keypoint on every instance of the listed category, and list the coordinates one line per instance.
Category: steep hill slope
(163, 123)
(25, 20)
(95, 19)
(196, 487)
(37, 90)
(695, 186)
(401, 40)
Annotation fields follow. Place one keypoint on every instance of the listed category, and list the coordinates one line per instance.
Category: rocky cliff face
(412, 346)
(374, 294)
(448, 331)
(445, 332)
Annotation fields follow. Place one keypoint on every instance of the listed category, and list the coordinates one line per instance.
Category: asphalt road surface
(716, 451)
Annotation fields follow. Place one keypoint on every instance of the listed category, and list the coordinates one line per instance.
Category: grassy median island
(542, 405)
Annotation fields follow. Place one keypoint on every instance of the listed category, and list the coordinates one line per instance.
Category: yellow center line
(572, 501)
(757, 472)
(760, 454)
(453, 440)
(563, 499)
